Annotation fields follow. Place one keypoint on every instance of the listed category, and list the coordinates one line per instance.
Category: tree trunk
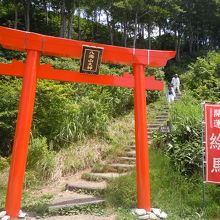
(79, 23)
(159, 31)
(27, 5)
(70, 24)
(175, 34)
(178, 45)
(45, 8)
(190, 38)
(149, 36)
(110, 28)
(62, 21)
(142, 31)
(95, 18)
(135, 30)
(197, 43)
(16, 14)
(125, 29)
(125, 33)
(71, 11)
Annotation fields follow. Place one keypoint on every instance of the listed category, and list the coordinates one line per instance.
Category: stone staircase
(96, 180)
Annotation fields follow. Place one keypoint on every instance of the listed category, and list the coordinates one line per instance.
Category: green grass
(180, 197)
(2, 197)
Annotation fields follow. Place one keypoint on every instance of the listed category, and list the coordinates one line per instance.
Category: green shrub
(203, 77)
(9, 96)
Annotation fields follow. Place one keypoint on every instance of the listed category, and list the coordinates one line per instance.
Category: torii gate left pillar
(36, 45)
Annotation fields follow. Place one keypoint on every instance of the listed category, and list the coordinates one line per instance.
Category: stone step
(152, 129)
(76, 202)
(107, 176)
(162, 117)
(155, 125)
(166, 108)
(131, 153)
(123, 166)
(130, 148)
(86, 185)
(130, 159)
(158, 120)
(165, 113)
(133, 147)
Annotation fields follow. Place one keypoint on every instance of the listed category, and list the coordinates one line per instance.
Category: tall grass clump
(121, 192)
(40, 162)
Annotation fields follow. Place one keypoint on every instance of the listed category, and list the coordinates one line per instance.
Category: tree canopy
(181, 25)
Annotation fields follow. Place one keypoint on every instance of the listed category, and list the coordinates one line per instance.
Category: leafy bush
(203, 77)
(9, 96)
(183, 145)
(67, 112)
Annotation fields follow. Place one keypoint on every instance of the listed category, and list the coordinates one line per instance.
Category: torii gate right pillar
(141, 139)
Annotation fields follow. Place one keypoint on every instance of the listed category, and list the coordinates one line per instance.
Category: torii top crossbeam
(36, 45)
(52, 46)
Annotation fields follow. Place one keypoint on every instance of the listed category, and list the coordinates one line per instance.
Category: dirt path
(57, 190)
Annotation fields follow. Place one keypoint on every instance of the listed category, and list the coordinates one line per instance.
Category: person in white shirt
(170, 94)
(176, 83)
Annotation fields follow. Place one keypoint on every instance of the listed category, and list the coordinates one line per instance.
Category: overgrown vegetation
(183, 145)
(203, 78)
(70, 120)
(184, 195)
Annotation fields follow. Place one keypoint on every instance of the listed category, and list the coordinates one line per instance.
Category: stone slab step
(155, 125)
(76, 202)
(107, 176)
(132, 147)
(164, 113)
(86, 185)
(120, 165)
(162, 117)
(152, 129)
(166, 108)
(131, 153)
(128, 158)
(159, 120)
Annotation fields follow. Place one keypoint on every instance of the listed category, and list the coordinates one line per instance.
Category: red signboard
(212, 143)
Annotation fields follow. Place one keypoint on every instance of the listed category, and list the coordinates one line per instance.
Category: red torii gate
(36, 45)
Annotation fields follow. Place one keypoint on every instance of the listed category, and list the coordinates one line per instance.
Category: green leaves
(203, 77)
